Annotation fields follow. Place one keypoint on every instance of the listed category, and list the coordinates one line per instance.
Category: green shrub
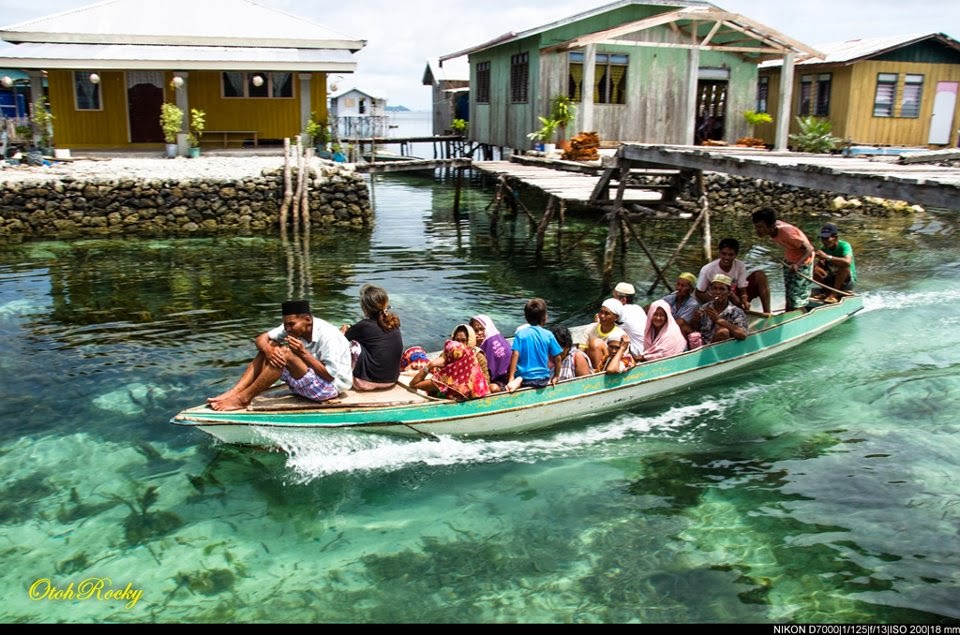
(814, 135)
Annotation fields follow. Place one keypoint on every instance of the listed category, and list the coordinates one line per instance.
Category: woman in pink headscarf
(662, 337)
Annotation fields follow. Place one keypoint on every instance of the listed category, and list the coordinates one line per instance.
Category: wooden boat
(403, 411)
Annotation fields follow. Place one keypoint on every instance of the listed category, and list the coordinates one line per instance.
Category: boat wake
(902, 300)
(312, 457)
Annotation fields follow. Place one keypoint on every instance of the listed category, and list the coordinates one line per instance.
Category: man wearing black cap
(835, 265)
(310, 355)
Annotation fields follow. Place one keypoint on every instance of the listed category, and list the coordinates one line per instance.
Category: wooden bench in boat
(226, 136)
(282, 399)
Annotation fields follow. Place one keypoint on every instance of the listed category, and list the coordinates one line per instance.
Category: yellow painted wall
(865, 128)
(271, 118)
(851, 103)
(89, 128)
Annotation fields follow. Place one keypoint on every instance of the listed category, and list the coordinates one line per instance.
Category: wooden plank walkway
(566, 186)
(915, 183)
(418, 165)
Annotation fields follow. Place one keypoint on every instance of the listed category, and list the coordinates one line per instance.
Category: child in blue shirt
(533, 346)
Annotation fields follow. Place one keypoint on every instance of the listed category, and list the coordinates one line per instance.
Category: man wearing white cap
(720, 319)
(633, 319)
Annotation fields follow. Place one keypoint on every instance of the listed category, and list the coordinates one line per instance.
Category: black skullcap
(295, 307)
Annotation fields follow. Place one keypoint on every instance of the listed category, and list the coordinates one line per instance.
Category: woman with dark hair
(375, 342)
(573, 361)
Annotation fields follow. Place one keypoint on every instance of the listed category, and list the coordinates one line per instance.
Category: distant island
(397, 109)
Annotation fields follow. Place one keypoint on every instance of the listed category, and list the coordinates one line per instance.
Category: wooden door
(944, 108)
(144, 98)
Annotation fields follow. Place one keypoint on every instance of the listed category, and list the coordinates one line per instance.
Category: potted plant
(753, 120)
(459, 126)
(562, 111)
(171, 122)
(546, 131)
(42, 121)
(319, 136)
(197, 124)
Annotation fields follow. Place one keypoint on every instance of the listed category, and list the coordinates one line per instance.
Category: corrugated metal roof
(108, 56)
(452, 70)
(207, 22)
(861, 48)
(666, 4)
(372, 94)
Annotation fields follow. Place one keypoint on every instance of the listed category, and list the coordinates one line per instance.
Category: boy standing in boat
(533, 347)
(310, 355)
(797, 252)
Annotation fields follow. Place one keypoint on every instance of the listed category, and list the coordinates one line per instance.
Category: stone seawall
(152, 202)
(742, 195)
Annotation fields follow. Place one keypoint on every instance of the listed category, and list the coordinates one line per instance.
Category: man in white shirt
(310, 355)
(633, 320)
(744, 288)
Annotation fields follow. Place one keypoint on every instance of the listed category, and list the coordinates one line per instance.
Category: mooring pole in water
(287, 187)
(456, 192)
(705, 206)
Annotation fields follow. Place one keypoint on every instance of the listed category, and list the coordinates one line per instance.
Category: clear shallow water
(818, 487)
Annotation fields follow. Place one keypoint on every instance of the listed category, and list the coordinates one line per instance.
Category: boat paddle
(820, 284)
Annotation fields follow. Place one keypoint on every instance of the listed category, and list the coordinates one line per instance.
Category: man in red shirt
(797, 252)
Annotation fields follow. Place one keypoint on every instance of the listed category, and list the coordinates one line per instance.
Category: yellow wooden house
(256, 72)
(890, 91)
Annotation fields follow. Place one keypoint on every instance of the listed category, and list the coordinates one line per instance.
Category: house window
(609, 82)
(519, 77)
(483, 83)
(362, 108)
(806, 95)
(912, 95)
(886, 92)
(86, 92)
(259, 85)
(575, 77)
(824, 81)
(763, 93)
(610, 85)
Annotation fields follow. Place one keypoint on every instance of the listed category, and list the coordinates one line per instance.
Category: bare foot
(513, 385)
(221, 396)
(230, 403)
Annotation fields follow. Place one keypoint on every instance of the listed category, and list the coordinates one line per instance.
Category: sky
(402, 34)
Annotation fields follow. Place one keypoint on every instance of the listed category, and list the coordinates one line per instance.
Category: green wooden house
(647, 71)
(889, 91)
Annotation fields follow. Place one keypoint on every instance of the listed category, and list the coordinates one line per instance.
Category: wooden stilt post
(623, 215)
(287, 186)
(497, 202)
(560, 218)
(544, 223)
(705, 206)
(610, 247)
(456, 192)
(298, 192)
(679, 248)
(305, 188)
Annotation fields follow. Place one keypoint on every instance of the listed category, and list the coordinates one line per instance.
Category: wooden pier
(917, 184)
(625, 187)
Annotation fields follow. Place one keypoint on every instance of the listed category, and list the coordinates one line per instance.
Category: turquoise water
(817, 487)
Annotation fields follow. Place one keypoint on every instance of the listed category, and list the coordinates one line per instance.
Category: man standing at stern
(310, 355)
(797, 252)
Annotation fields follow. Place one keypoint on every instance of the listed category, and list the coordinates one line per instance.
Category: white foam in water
(896, 300)
(316, 456)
